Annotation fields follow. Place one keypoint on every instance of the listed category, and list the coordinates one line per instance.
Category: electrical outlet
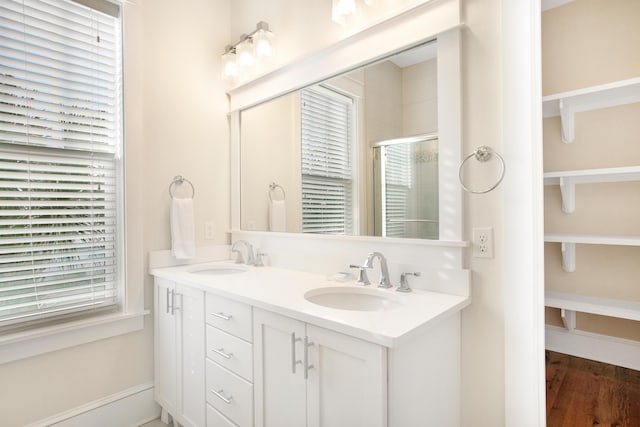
(483, 242)
(209, 230)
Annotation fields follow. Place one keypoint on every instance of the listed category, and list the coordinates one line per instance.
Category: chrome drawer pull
(294, 362)
(307, 366)
(221, 352)
(222, 316)
(220, 396)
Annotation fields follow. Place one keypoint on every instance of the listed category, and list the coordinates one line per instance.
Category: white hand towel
(183, 245)
(277, 215)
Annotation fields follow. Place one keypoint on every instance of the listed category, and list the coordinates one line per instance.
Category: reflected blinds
(60, 139)
(398, 181)
(327, 169)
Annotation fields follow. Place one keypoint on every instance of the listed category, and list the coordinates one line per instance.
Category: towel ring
(482, 154)
(179, 180)
(273, 186)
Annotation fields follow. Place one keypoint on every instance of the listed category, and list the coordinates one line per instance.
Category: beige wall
(270, 152)
(585, 43)
(175, 123)
(483, 374)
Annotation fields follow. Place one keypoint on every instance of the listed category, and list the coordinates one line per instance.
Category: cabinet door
(165, 346)
(347, 384)
(189, 309)
(280, 388)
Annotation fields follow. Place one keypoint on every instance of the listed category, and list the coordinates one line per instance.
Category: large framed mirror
(371, 150)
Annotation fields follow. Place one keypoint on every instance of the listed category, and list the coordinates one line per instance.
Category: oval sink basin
(349, 298)
(218, 270)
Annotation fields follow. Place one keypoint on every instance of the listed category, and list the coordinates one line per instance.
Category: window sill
(43, 340)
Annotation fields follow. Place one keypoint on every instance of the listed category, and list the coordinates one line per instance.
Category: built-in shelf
(566, 104)
(567, 181)
(569, 241)
(569, 304)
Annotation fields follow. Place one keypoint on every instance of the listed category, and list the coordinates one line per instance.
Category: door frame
(525, 403)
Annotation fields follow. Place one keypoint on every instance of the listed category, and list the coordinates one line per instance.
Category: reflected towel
(277, 216)
(183, 245)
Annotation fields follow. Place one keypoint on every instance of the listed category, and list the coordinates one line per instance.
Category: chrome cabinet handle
(220, 395)
(221, 352)
(168, 303)
(222, 316)
(294, 362)
(307, 367)
(173, 301)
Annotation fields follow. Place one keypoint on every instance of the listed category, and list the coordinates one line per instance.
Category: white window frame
(129, 317)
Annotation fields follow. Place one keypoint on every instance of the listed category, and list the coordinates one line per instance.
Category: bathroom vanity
(262, 346)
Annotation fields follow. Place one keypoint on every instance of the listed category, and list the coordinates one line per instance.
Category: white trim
(163, 258)
(341, 239)
(130, 407)
(602, 348)
(43, 340)
(525, 403)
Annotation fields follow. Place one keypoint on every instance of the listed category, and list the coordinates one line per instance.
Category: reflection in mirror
(355, 155)
(405, 176)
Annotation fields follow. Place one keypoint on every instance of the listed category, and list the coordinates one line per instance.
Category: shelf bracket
(568, 318)
(568, 257)
(568, 192)
(567, 122)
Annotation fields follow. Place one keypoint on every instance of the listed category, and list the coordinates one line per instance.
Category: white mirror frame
(431, 20)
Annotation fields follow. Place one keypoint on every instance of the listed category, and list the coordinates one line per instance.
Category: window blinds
(60, 163)
(327, 169)
(398, 181)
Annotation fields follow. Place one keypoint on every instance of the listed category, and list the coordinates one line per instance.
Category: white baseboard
(132, 407)
(602, 348)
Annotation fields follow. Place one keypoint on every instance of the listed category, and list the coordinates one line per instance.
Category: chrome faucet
(384, 281)
(240, 259)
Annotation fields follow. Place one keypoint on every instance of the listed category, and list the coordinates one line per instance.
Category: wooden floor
(582, 392)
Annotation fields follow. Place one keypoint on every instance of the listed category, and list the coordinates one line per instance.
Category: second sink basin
(351, 298)
(218, 270)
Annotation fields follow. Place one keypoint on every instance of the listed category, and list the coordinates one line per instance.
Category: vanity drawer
(230, 352)
(216, 419)
(229, 394)
(230, 316)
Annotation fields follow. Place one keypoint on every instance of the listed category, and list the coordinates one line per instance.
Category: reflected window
(328, 180)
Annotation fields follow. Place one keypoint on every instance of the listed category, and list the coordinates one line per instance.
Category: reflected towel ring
(482, 154)
(179, 180)
(274, 186)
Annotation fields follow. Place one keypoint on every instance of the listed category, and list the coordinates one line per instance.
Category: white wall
(175, 123)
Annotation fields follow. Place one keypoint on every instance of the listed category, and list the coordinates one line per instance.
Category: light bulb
(229, 66)
(342, 9)
(263, 43)
(244, 52)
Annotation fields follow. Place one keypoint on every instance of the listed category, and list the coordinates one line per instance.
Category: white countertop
(282, 291)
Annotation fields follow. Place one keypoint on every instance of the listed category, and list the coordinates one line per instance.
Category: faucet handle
(404, 283)
(362, 275)
(258, 259)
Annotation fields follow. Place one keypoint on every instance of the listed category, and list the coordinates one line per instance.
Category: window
(327, 162)
(60, 160)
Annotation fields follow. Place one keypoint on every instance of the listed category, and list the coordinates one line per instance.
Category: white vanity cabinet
(307, 375)
(179, 352)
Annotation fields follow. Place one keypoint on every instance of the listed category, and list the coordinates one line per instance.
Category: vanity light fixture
(344, 10)
(240, 60)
